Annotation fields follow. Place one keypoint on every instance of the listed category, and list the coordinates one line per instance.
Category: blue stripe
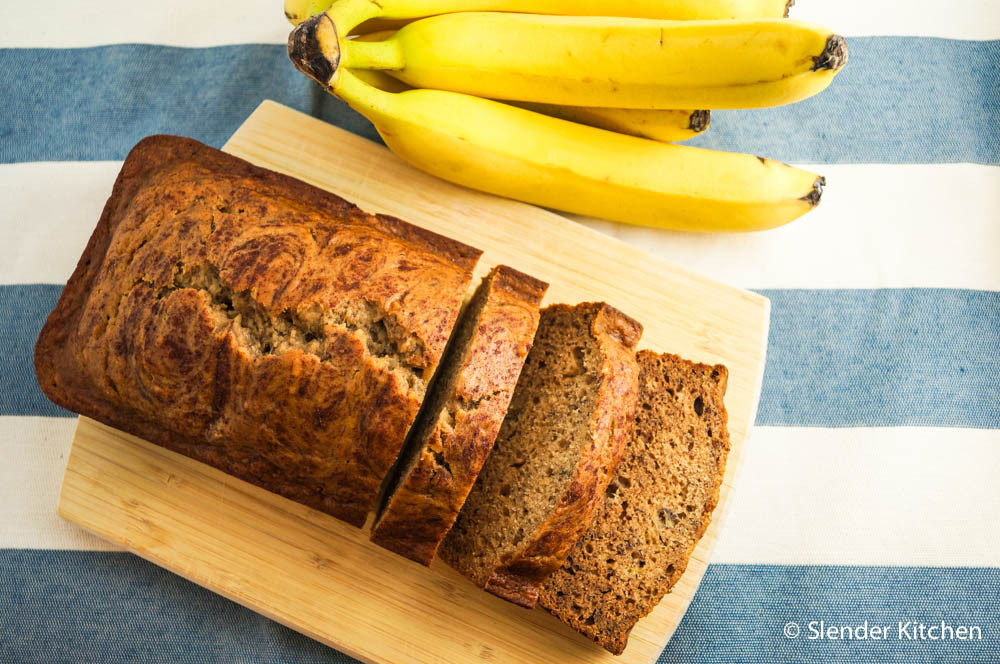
(84, 606)
(23, 310)
(93, 104)
(115, 607)
(899, 100)
(836, 358)
(740, 611)
(889, 357)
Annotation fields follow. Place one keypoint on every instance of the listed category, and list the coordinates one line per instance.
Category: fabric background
(870, 484)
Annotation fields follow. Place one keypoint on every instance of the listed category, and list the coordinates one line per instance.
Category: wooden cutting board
(322, 577)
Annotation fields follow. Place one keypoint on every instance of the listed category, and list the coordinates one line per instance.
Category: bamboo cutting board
(322, 577)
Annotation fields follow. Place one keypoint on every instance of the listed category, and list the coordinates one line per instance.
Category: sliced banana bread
(457, 426)
(657, 507)
(558, 448)
(255, 323)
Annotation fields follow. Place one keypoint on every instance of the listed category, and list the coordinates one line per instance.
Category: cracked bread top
(255, 323)
(458, 425)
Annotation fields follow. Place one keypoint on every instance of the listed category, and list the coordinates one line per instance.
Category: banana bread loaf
(558, 448)
(255, 323)
(456, 429)
(657, 507)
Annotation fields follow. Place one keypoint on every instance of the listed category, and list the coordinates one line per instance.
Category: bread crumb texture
(656, 508)
(557, 449)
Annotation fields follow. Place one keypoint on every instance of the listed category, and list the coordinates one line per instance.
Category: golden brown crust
(518, 579)
(657, 507)
(519, 285)
(457, 438)
(253, 322)
(619, 326)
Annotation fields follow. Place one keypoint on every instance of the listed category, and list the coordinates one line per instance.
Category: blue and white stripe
(868, 490)
(95, 103)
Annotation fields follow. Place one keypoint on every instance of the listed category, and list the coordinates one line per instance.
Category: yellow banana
(298, 10)
(607, 61)
(657, 124)
(517, 153)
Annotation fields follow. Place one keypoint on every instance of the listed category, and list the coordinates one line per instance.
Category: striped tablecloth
(871, 486)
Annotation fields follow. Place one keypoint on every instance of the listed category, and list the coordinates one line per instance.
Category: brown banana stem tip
(834, 56)
(812, 198)
(306, 53)
(700, 121)
(789, 5)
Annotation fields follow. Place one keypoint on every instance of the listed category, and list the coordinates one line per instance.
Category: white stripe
(49, 212)
(35, 453)
(894, 496)
(890, 496)
(958, 19)
(70, 23)
(64, 24)
(878, 226)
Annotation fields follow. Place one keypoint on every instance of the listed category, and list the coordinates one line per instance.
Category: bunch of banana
(582, 93)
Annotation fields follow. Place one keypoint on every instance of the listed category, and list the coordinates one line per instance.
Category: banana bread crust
(255, 323)
(455, 440)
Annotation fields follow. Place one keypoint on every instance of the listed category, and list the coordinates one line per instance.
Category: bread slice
(657, 507)
(557, 449)
(255, 323)
(461, 418)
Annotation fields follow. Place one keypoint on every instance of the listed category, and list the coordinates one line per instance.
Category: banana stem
(371, 55)
(349, 14)
(316, 46)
